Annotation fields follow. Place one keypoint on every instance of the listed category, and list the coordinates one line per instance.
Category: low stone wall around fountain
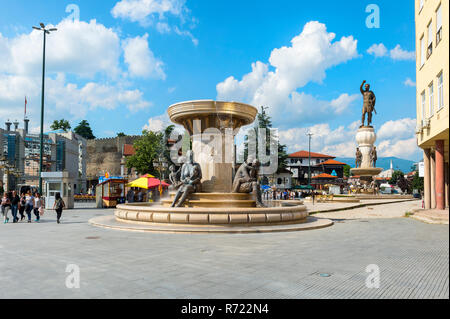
(211, 216)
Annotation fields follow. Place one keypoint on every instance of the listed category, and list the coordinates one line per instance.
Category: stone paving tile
(412, 257)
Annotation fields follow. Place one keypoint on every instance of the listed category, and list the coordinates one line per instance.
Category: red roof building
(128, 150)
(305, 154)
(324, 175)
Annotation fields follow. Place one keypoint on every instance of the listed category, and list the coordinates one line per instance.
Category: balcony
(419, 129)
(425, 123)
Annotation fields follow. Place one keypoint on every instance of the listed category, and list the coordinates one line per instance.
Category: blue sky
(122, 71)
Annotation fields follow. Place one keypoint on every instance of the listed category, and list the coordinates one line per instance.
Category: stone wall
(105, 154)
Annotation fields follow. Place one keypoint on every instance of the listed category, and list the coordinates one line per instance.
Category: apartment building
(432, 70)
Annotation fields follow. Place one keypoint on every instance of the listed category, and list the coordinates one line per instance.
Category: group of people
(135, 195)
(282, 195)
(27, 203)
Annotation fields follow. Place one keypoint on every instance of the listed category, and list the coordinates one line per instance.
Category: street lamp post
(309, 134)
(45, 32)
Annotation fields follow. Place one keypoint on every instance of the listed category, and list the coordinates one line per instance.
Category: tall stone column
(446, 184)
(427, 178)
(440, 200)
(433, 181)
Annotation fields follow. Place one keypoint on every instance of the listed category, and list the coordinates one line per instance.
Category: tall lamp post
(45, 32)
(309, 134)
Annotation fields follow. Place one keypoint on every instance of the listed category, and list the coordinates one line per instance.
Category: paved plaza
(412, 258)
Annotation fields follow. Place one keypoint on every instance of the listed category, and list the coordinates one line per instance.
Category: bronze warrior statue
(358, 158)
(246, 180)
(373, 157)
(190, 179)
(368, 104)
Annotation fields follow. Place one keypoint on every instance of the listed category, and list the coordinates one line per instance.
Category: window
(438, 25)
(431, 99)
(423, 105)
(422, 51)
(430, 40)
(440, 83)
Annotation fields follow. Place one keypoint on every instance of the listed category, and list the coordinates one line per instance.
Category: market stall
(110, 193)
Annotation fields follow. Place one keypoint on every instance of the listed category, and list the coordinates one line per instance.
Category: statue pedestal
(366, 137)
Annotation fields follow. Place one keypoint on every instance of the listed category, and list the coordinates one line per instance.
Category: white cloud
(340, 104)
(409, 82)
(141, 60)
(156, 13)
(77, 101)
(78, 47)
(77, 53)
(377, 50)
(398, 53)
(406, 148)
(311, 53)
(398, 129)
(145, 11)
(157, 123)
(394, 138)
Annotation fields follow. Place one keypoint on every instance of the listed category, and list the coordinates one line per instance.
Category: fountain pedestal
(212, 126)
(366, 137)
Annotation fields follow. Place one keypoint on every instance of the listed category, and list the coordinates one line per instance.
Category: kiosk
(110, 193)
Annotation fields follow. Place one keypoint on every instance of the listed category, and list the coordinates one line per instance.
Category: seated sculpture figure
(246, 180)
(190, 178)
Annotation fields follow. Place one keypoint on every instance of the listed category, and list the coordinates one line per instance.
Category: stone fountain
(210, 205)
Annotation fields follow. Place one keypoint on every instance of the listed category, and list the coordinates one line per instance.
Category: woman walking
(22, 204)
(38, 206)
(29, 202)
(15, 199)
(6, 206)
(58, 206)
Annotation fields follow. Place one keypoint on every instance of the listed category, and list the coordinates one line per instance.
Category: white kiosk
(58, 182)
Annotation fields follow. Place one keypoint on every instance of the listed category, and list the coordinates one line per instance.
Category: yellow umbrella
(141, 182)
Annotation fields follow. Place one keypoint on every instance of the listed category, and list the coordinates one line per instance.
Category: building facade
(432, 78)
(298, 164)
(62, 151)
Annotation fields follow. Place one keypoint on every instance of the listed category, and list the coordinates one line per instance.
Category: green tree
(83, 129)
(121, 134)
(347, 170)
(264, 121)
(62, 124)
(396, 176)
(417, 182)
(147, 148)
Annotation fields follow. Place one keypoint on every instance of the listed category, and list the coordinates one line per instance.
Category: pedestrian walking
(38, 206)
(5, 207)
(22, 204)
(15, 200)
(29, 202)
(58, 206)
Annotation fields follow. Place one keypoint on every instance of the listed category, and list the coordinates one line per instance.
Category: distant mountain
(383, 162)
